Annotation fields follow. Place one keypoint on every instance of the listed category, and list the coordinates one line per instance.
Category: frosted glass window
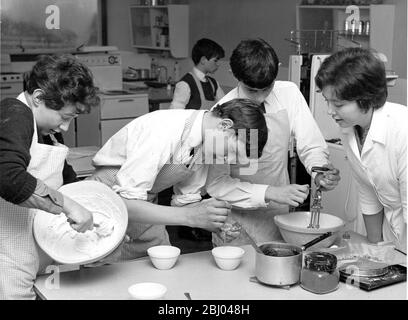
(29, 25)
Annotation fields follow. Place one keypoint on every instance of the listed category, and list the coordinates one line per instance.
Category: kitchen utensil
(144, 73)
(294, 230)
(251, 241)
(282, 270)
(315, 209)
(141, 73)
(317, 201)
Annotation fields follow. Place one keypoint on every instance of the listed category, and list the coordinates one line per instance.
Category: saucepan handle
(318, 239)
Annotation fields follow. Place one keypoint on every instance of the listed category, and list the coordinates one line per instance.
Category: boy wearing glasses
(255, 65)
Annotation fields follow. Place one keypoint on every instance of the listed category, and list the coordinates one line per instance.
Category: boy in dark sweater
(197, 90)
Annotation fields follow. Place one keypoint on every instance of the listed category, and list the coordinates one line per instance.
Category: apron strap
(186, 131)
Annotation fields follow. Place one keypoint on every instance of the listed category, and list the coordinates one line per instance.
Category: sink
(155, 84)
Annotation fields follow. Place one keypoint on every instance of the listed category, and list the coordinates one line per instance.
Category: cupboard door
(124, 107)
(88, 131)
(164, 28)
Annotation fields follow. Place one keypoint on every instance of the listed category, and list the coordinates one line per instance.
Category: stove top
(11, 77)
(115, 92)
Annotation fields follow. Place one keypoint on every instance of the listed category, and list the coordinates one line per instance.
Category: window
(49, 25)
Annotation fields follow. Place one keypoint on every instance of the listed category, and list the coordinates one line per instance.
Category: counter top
(80, 158)
(197, 274)
(156, 95)
(160, 95)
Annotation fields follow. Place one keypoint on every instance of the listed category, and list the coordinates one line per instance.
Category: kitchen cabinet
(160, 28)
(114, 112)
(322, 28)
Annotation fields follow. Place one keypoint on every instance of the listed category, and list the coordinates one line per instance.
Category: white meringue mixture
(91, 242)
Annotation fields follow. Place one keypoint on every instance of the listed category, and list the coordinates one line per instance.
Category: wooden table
(197, 274)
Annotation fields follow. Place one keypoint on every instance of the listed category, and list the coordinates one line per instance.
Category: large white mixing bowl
(294, 228)
(65, 245)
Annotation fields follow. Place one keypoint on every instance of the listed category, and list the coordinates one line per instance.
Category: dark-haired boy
(197, 90)
(255, 65)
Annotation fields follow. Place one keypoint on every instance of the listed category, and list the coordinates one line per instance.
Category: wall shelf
(160, 28)
(319, 18)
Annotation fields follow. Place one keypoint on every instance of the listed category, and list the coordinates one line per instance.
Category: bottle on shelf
(353, 26)
(176, 71)
(168, 86)
(153, 69)
(367, 28)
(360, 27)
(346, 27)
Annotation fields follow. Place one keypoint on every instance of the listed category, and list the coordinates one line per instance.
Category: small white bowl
(163, 257)
(147, 291)
(227, 257)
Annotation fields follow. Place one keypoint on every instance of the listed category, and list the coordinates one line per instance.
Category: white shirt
(311, 146)
(143, 146)
(182, 91)
(381, 169)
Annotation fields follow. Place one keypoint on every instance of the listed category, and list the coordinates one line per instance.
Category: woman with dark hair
(57, 90)
(169, 148)
(354, 85)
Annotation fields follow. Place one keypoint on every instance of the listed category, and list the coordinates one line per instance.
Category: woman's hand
(292, 194)
(329, 179)
(209, 214)
(79, 218)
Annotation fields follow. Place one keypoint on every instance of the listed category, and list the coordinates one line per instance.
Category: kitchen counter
(155, 95)
(197, 274)
(80, 159)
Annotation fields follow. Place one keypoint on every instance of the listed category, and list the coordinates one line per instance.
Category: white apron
(144, 236)
(205, 104)
(20, 257)
(272, 170)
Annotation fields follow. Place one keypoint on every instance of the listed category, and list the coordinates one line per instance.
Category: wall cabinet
(95, 128)
(161, 28)
(322, 29)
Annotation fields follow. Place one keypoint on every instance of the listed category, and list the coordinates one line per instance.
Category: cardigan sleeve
(16, 132)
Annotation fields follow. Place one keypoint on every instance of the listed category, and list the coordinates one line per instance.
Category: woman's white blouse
(381, 169)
